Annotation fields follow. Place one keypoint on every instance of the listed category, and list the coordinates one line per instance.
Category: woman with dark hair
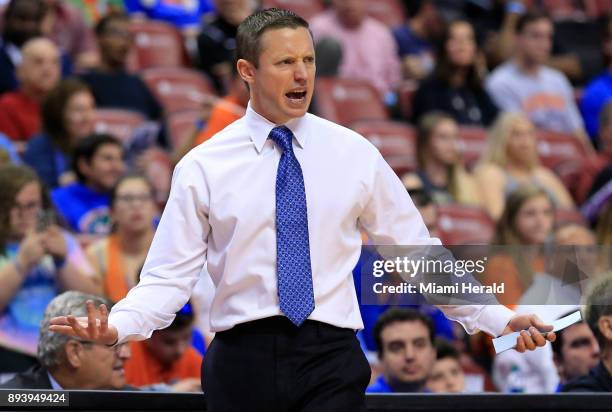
(441, 173)
(456, 85)
(67, 116)
(117, 258)
(37, 260)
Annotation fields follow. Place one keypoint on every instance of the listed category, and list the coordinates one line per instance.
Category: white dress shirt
(221, 213)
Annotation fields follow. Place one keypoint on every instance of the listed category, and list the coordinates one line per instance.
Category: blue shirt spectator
(379, 386)
(182, 14)
(597, 93)
(49, 162)
(85, 210)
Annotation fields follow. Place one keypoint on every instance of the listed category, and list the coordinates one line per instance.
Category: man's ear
(605, 327)
(246, 70)
(74, 353)
(83, 166)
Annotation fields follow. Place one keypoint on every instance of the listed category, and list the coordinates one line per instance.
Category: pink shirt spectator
(368, 52)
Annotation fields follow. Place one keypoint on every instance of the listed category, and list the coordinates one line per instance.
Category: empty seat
(156, 44)
(388, 12)
(473, 142)
(118, 122)
(405, 95)
(304, 8)
(181, 125)
(464, 225)
(158, 169)
(346, 101)
(395, 141)
(179, 88)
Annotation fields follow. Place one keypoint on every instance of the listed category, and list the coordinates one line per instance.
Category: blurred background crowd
(495, 114)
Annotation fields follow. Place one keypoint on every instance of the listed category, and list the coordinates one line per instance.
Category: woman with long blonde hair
(510, 160)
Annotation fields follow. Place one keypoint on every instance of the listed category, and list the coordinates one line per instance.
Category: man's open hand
(94, 327)
(531, 328)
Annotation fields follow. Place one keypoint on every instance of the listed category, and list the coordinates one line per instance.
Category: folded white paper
(509, 341)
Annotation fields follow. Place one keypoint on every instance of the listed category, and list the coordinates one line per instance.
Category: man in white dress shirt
(238, 206)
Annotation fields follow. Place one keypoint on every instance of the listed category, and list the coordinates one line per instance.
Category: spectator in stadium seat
(369, 51)
(98, 164)
(67, 28)
(427, 208)
(70, 364)
(22, 22)
(67, 116)
(525, 226)
(511, 159)
(117, 258)
(525, 84)
(38, 73)
(576, 351)
(598, 93)
(414, 38)
(446, 376)
(217, 40)
(405, 342)
(37, 260)
(598, 207)
(456, 84)
(111, 84)
(598, 315)
(440, 171)
(166, 361)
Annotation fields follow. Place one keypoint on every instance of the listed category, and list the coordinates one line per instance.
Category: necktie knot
(283, 137)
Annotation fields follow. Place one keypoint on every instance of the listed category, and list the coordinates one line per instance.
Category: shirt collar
(54, 384)
(13, 52)
(260, 127)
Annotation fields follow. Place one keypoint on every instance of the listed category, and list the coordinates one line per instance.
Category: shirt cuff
(127, 328)
(494, 319)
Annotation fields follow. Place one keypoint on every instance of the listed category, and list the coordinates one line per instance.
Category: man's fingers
(103, 319)
(66, 330)
(537, 337)
(520, 344)
(551, 336)
(60, 320)
(540, 325)
(529, 344)
(92, 324)
(77, 328)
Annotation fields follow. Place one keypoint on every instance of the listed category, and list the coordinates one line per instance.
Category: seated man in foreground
(68, 363)
(598, 315)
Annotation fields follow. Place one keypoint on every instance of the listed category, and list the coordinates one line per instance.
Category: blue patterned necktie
(295, 292)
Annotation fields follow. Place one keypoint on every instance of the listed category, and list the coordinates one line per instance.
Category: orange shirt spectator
(19, 116)
(143, 368)
(226, 111)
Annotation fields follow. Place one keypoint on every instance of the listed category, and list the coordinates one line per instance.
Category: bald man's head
(40, 67)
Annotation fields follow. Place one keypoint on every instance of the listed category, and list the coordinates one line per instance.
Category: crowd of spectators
(508, 120)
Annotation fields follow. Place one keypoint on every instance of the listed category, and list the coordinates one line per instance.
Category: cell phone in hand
(45, 219)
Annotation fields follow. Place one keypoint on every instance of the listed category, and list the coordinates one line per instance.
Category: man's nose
(300, 73)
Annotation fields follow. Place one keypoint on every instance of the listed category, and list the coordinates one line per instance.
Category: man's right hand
(94, 327)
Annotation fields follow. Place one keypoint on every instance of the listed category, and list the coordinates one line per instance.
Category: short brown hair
(248, 44)
(530, 17)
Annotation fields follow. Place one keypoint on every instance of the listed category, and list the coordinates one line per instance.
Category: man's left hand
(531, 328)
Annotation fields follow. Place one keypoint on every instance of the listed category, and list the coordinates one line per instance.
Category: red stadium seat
(464, 225)
(396, 142)
(346, 101)
(388, 12)
(181, 125)
(564, 154)
(156, 44)
(473, 142)
(118, 122)
(566, 216)
(304, 8)
(179, 89)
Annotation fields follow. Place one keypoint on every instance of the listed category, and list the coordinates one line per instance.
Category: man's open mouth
(296, 95)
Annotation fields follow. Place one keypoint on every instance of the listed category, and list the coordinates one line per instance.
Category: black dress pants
(273, 366)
